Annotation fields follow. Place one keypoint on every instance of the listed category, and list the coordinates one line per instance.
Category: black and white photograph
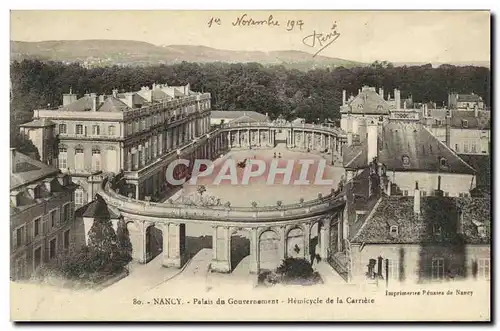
(183, 165)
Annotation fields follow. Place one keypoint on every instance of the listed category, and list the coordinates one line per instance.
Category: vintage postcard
(250, 166)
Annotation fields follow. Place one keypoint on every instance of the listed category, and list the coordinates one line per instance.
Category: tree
(201, 189)
(124, 246)
(102, 238)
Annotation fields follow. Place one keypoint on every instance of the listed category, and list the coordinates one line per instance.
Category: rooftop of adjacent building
(25, 170)
(97, 209)
(121, 101)
(406, 146)
(368, 101)
(441, 220)
(32, 182)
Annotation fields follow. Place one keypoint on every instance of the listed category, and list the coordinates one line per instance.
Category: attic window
(360, 106)
(394, 230)
(465, 124)
(406, 160)
(443, 163)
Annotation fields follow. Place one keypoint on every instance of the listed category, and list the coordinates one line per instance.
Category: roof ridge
(449, 149)
(368, 218)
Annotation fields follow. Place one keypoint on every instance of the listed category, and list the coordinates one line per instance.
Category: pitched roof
(241, 116)
(82, 104)
(97, 209)
(447, 214)
(38, 123)
(112, 104)
(482, 164)
(27, 170)
(368, 101)
(481, 122)
(406, 146)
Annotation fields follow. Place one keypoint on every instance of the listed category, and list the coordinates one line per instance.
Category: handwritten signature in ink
(322, 40)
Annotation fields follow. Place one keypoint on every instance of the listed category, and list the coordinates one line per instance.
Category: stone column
(174, 237)
(137, 191)
(137, 234)
(324, 239)
(221, 261)
(229, 139)
(282, 243)
(254, 251)
(258, 137)
(307, 241)
(322, 141)
(129, 160)
(238, 141)
(304, 139)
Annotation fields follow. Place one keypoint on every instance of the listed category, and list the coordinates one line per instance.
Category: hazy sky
(425, 36)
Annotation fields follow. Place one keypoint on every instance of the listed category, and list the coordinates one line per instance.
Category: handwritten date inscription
(247, 21)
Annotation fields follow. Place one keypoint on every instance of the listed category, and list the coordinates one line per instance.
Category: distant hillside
(128, 52)
(485, 64)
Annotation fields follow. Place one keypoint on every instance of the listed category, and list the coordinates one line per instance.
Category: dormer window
(443, 163)
(465, 124)
(406, 161)
(394, 230)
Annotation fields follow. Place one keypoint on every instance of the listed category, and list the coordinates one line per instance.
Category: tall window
(63, 158)
(130, 128)
(393, 267)
(20, 236)
(96, 159)
(111, 130)
(52, 248)
(66, 239)
(96, 130)
(37, 227)
(456, 148)
(473, 148)
(484, 268)
(437, 268)
(79, 129)
(79, 160)
(466, 147)
(53, 218)
(79, 197)
(66, 213)
(37, 257)
(62, 128)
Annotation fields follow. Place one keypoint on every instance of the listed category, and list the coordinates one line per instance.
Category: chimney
(187, 88)
(448, 131)
(416, 200)
(12, 160)
(93, 97)
(372, 139)
(439, 192)
(343, 97)
(115, 93)
(397, 97)
(389, 188)
(359, 91)
(476, 110)
(129, 99)
(69, 98)
(381, 92)
(102, 98)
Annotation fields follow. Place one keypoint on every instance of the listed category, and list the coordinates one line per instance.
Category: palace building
(130, 132)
